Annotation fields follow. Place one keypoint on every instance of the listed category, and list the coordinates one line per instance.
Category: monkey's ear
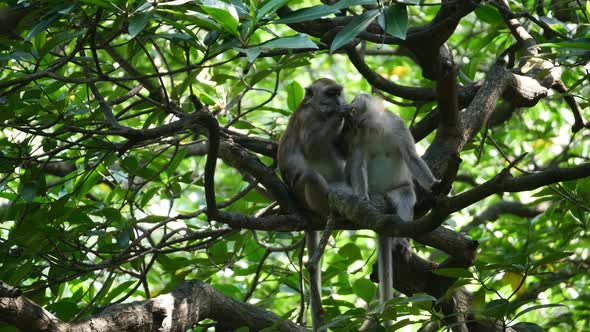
(308, 95)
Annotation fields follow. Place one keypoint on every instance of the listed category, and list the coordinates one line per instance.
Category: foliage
(91, 217)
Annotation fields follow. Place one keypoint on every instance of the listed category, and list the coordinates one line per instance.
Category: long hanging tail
(403, 200)
(315, 282)
(385, 265)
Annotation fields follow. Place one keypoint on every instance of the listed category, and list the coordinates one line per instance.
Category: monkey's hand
(436, 187)
(342, 112)
(347, 109)
(339, 112)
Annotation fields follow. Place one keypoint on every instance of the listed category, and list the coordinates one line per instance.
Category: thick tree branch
(538, 65)
(442, 154)
(505, 182)
(500, 208)
(180, 310)
(383, 84)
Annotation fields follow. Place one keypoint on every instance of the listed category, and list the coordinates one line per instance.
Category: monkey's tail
(385, 265)
(315, 282)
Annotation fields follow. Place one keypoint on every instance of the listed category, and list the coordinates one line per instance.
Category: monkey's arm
(417, 166)
(420, 171)
(320, 132)
(356, 171)
(308, 185)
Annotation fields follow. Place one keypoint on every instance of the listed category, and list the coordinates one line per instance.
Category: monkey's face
(361, 103)
(326, 96)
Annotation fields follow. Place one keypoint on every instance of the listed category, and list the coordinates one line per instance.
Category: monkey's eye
(334, 91)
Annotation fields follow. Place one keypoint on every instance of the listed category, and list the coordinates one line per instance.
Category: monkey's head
(325, 95)
(362, 102)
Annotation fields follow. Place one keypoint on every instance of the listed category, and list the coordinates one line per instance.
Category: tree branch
(180, 310)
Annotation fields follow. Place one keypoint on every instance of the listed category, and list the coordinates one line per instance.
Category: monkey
(382, 158)
(311, 162)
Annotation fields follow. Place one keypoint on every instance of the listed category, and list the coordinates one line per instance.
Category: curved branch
(378, 81)
(213, 134)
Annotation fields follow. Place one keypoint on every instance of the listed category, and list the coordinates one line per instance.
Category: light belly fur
(384, 174)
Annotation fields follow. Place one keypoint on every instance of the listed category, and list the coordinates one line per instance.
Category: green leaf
(537, 307)
(551, 258)
(349, 3)
(350, 251)
(112, 215)
(138, 22)
(453, 273)
(488, 14)
(218, 252)
(243, 125)
(421, 298)
(396, 21)
(307, 14)
(242, 9)
(41, 26)
(580, 43)
(497, 308)
(255, 197)
(124, 237)
(278, 322)
(479, 299)
(124, 286)
(85, 182)
(270, 6)
(178, 157)
(60, 38)
(182, 87)
(365, 289)
(199, 19)
(353, 28)
(527, 327)
(224, 14)
(294, 95)
(100, 3)
(28, 190)
(149, 194)
(260, 75)
(130, 164)
(297, 41)
(6, 165)
(251, 52)
(175, 3)
(66, 309)
(399, 325)
(229, 290)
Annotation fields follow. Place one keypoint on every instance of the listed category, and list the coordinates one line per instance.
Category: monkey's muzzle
(346, 108)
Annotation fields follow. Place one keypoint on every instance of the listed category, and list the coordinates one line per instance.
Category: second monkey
(382, 158)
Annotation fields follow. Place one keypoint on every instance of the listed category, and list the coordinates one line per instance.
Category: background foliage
(90, 217)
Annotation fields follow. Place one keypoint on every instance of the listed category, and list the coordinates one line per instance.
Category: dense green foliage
(90, 216)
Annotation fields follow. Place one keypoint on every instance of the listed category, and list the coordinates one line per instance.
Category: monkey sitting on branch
(311, 162)
(382, 159)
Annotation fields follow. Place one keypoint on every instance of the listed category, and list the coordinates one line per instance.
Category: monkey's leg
(403, 200)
